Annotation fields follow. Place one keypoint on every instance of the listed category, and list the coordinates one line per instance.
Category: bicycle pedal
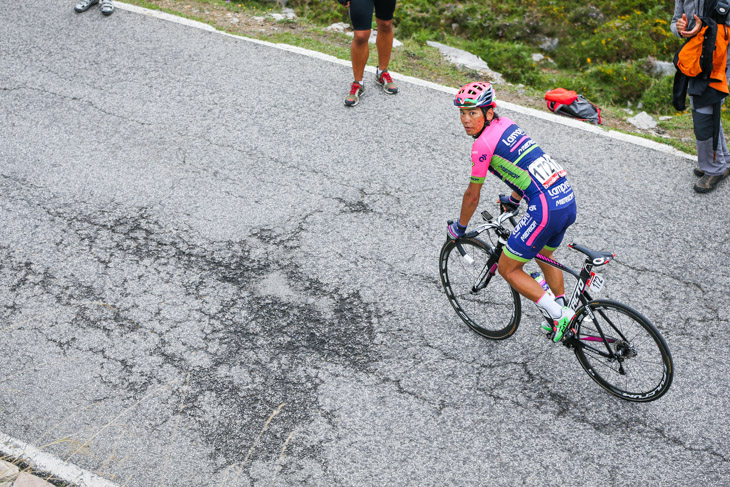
(569, 338)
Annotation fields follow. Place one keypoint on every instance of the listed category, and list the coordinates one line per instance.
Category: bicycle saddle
(596, 257)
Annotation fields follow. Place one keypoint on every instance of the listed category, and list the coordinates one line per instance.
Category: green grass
(152, 6)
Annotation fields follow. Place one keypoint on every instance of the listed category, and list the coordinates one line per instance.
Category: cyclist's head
(475, 95)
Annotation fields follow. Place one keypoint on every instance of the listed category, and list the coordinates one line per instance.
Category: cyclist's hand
(508, 203)
(455, 230)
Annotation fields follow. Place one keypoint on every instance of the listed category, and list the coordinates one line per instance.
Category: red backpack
(571, 104)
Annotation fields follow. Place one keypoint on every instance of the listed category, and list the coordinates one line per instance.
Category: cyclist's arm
(470, 202)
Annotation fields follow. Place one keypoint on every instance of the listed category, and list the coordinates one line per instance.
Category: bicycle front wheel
(494, 310)
(622, 351)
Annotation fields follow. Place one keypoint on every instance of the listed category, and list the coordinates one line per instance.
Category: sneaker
(561, 324)
(547, 327)
(85, 5)
(356, 89)
(107, 8)
(386, 82)
(698, 172)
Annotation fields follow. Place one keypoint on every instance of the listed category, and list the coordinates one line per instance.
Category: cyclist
(505, 150)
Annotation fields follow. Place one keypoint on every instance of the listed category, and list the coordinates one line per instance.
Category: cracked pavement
(212, 273)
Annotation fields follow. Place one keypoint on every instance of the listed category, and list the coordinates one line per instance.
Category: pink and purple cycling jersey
(509, 153)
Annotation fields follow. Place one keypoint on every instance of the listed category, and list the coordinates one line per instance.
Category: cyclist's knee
(384, 26)
(507, 268)
(361, 37)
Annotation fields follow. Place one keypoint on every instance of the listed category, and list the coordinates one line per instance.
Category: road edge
(45, 462)
(551, 117)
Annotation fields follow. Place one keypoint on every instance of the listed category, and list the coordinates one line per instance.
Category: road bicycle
(617, 346)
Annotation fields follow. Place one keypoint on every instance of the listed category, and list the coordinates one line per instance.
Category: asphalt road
(213, 273)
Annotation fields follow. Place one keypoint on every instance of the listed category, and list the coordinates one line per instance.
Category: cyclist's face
(472, 119)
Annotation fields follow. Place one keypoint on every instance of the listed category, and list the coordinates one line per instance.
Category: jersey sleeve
(481, 155)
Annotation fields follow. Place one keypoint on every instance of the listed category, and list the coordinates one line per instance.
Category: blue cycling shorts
(548, 216)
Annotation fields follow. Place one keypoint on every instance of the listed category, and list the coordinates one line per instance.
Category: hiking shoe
(708, 183)
(85, 5)
(561, 324)
(699, 173)
(386, 82)
(107, 8)
(356, 89)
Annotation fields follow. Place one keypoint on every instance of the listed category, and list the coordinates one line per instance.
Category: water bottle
(541, 281)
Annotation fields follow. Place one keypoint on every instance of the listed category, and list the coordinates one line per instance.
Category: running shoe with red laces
(386, 82)
(356, 89)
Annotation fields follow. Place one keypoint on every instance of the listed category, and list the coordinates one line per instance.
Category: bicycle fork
(489, 270)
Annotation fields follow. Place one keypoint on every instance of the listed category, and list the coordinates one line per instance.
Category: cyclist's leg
(511, 270)
(553, 276)
(562, 218)
(384, 19)
(537, 228)
(361, 15)
(516, 253)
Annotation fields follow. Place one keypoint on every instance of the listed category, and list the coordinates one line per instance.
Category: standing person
(705, 100)
(107, 7)
(361, 15)
(505, 150)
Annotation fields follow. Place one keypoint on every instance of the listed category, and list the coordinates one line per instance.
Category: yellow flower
(589, 60)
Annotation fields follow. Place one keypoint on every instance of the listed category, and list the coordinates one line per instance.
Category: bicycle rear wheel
(640, 366)
(493, 311)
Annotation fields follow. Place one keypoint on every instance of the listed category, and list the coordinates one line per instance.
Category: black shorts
(361, 12)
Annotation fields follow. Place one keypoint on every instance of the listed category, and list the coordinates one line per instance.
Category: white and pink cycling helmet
(476, 94)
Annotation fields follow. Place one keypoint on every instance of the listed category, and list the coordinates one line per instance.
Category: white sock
(356, 81)
(377, 72)
(547, 303)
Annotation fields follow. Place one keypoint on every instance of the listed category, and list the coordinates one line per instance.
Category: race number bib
(546, 171)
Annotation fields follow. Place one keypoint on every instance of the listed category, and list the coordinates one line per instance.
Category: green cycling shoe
(560, 325)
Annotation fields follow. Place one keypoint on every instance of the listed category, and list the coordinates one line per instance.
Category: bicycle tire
(493, 312)
(646, 361)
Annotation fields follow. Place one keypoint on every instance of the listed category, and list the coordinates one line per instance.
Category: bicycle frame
(579, 296)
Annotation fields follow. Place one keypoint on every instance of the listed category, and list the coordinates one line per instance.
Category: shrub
(627, 37)
(620, 82)
(512, 60)
(323, 12)
(658, 98)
